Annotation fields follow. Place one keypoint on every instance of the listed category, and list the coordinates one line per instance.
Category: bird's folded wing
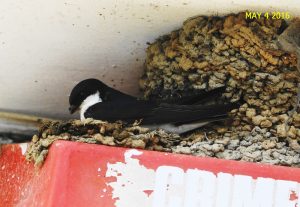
(199, 97)
(167, 113)
(156, 114)
(128, 111)
(114, 95)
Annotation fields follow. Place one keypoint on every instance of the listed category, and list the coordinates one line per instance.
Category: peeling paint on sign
(136, 185)
(23, 147)
(132, 180)
(93, 175)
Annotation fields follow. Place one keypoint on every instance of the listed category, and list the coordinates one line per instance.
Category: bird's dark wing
(111, 94)
(152, 113)
(168, 113)
(198, 97)
(128, 111)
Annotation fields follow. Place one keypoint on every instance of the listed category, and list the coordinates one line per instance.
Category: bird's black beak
(73, 108)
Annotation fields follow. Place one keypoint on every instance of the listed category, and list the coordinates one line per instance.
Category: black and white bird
(96, 100)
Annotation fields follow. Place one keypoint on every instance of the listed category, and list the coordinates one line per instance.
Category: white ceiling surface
(48, 46)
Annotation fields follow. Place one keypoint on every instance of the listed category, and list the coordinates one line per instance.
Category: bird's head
(86, 92)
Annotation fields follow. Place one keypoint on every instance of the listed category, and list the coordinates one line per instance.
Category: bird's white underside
(95, 98)
(177, 129)
(88, 102)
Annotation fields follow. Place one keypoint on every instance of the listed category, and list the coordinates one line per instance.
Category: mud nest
(208, 53)
(98, 132)
(242, 55)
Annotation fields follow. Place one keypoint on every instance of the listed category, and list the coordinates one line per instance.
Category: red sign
(77, 174)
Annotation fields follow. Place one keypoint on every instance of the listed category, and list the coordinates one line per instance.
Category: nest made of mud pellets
(207, 53)
(242, 55)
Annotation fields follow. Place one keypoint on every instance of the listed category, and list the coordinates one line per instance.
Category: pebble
(281, 130)
(258, 119)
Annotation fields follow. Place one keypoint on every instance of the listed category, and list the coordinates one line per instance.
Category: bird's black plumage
(116, 105)
(152, 113)
(90, 86)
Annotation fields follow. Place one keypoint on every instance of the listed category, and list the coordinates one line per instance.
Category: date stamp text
(268, 15)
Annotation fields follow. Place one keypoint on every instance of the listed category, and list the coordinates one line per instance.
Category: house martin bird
(96, 100)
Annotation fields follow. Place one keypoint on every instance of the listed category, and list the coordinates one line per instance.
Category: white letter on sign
(224, 189)
(249, 193)
(263, 193)
(242, 191)
(284, 189)
(200, 189)
(175, 176)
